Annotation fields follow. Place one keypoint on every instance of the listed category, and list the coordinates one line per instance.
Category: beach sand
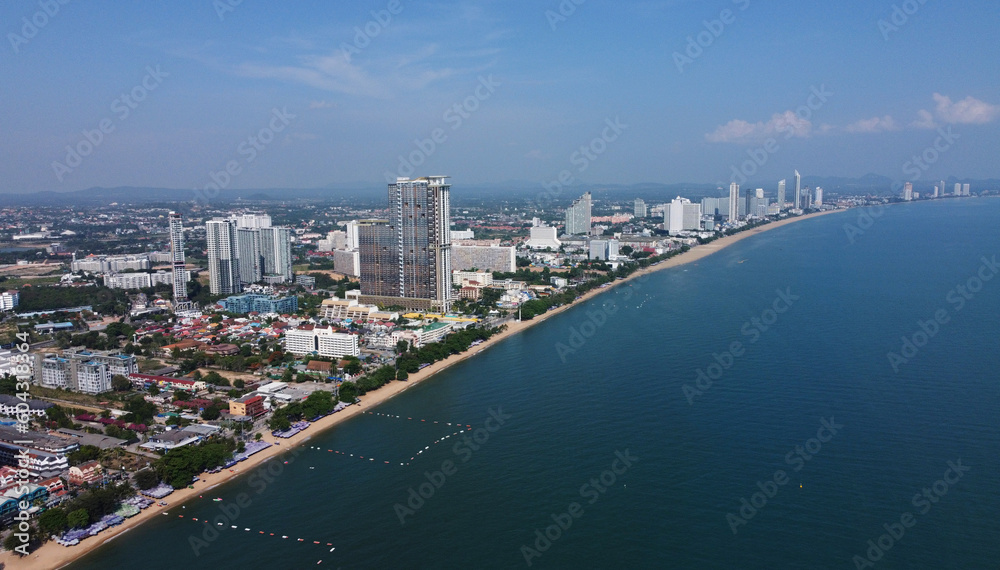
(52, 555)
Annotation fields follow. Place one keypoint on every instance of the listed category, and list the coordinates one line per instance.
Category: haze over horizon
(340, 93)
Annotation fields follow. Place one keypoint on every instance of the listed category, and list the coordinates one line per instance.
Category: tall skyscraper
(943, 189)
(966, 190)
(253, 221)
(578, 216)
(251, 260)
(640, 208)
(819, 197)
(680, 215)
(177, 257)
(958, 189)
(223, 257)
(798, 191)
(276, 249)
(352, 235)
(908, 191)
(406, 260)
(734, 202)
(781, 194)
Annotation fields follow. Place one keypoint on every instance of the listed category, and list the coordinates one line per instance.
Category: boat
(217, 499)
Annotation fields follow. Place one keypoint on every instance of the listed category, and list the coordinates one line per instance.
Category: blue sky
(212, 82)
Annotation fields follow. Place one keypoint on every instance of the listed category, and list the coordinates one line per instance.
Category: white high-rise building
(321, 341)
(781, 194)
(640, 208)
(276, 249)
(798, 191)
(966, 190)
(819, 197)
(908, 191)
(253, 221)
(680, 215)
(180, 274)
(352, 235)
(958, 189)
(223, 257)
(734, 202)
(578, 216)
(251, 262)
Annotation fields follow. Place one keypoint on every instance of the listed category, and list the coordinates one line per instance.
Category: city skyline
(307, 105)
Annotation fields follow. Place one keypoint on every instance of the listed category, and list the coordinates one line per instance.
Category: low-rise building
(47, 455)
(321, 341)
(253, 302)
(89, 472)
(9, 300)
(251, 405)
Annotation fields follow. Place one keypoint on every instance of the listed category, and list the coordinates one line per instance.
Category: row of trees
(319, 403)
(179, 466)
(86, 508)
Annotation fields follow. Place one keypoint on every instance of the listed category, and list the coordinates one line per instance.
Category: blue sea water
(606, 380)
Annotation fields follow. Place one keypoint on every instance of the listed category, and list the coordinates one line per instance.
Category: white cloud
(740, 131)
(873, 125)
(926, 120)
(969, 111)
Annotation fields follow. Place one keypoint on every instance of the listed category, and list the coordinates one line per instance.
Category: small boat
(217, 499)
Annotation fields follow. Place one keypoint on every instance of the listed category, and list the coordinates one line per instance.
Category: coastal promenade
(52, 555)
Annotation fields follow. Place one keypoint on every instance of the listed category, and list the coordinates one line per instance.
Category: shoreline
(53, 555)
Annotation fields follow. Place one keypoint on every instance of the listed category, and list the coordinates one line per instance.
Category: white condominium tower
(223, 257)
(177, 257)
(578, 216)
(734, 202)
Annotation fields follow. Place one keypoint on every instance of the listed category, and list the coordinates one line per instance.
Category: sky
(308, 94)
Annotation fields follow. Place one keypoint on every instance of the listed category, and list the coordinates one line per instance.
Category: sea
(822, 395)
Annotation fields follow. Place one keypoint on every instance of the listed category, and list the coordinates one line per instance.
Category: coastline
(52, 555)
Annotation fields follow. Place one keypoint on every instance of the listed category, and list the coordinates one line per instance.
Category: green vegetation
(104, 300)
(179, 466)
(318, 403)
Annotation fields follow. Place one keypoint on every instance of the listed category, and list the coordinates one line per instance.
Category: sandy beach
(52, 555)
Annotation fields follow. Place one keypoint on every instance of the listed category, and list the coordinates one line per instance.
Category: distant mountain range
(362, 193)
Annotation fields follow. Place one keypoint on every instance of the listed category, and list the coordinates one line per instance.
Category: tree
(401, 346)
(353, 367)
(120, 383)
(78, 518)
(210, 413)
(239, 384)
(287, 376)
(348, 392)
(52, 521)
(146, 479)
(181, 395)
(257, 436)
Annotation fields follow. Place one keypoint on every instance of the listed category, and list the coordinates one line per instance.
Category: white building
(681, 215)
(543, 237)
(321, 341)
(347, 262)
(734, 202)
(463, 278)
(462, 234)
(501, 259)
(9, 300)
(578, 216)
(223, 257)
